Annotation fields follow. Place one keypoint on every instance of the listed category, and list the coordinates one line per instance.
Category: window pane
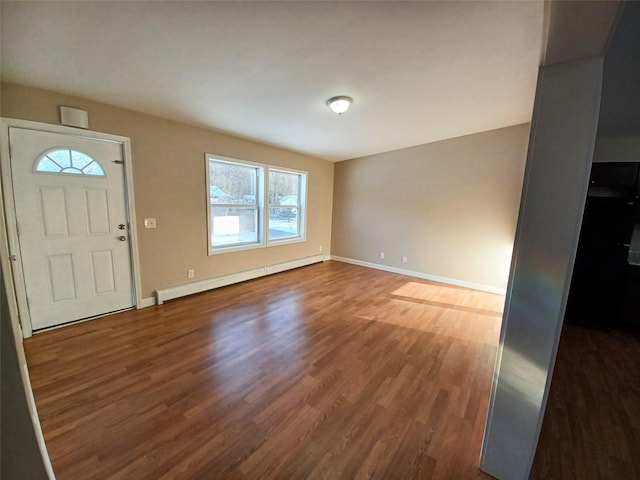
(61, 157)
(93, 169)
(47, 165)
(232, 226)
(232, 184)
(80, 160)
(283, 188)
(283, 223)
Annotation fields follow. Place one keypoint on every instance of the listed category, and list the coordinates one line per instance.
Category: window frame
(301, 217)
(259, 205)
(262, 205)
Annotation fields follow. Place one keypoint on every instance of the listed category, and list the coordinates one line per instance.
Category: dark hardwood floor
(331, 371)
(591, 428)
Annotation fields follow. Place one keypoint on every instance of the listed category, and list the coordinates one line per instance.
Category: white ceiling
(418, 71)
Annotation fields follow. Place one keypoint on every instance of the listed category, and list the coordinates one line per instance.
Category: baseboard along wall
(182, 290)
(177, 291)
(424, 276)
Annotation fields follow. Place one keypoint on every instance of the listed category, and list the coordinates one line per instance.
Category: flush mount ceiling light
(340, 104)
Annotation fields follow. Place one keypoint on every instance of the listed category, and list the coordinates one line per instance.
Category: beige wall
(169, 183)
(450, 207)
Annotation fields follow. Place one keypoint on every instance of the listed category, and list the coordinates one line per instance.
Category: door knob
(122, 238)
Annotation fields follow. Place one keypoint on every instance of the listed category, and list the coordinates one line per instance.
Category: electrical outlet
(191, 273)
(320, 248)
(381, 255)
(404, 259)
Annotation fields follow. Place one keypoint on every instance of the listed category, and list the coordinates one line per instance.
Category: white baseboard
(177, 291)
(425, 276)
(146, 302)
(301, 262)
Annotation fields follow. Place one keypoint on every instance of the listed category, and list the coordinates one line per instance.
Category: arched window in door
(65, 160)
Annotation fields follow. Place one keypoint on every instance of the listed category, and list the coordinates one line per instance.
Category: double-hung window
(251, 205)
(287, 190)
(235, 204)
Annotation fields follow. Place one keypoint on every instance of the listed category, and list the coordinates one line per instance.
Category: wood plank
(327, 371)
(591, 428)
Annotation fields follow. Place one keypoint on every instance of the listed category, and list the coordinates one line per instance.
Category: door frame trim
(13, 272)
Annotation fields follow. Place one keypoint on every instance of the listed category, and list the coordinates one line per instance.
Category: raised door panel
(103, 274)
(54, 211)
(62, 278)
(96, 207)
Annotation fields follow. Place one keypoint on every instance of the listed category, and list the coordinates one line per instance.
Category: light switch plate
(149, 223)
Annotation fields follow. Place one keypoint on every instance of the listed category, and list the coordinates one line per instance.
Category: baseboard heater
(177, 291)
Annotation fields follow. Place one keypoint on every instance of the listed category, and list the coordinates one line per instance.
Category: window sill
(235, 248)
(255, 246)
(285, 241)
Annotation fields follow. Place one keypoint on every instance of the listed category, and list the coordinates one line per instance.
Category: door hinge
(12, 258)
(119, 162)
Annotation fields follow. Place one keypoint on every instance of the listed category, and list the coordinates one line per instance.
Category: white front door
(71, 212)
